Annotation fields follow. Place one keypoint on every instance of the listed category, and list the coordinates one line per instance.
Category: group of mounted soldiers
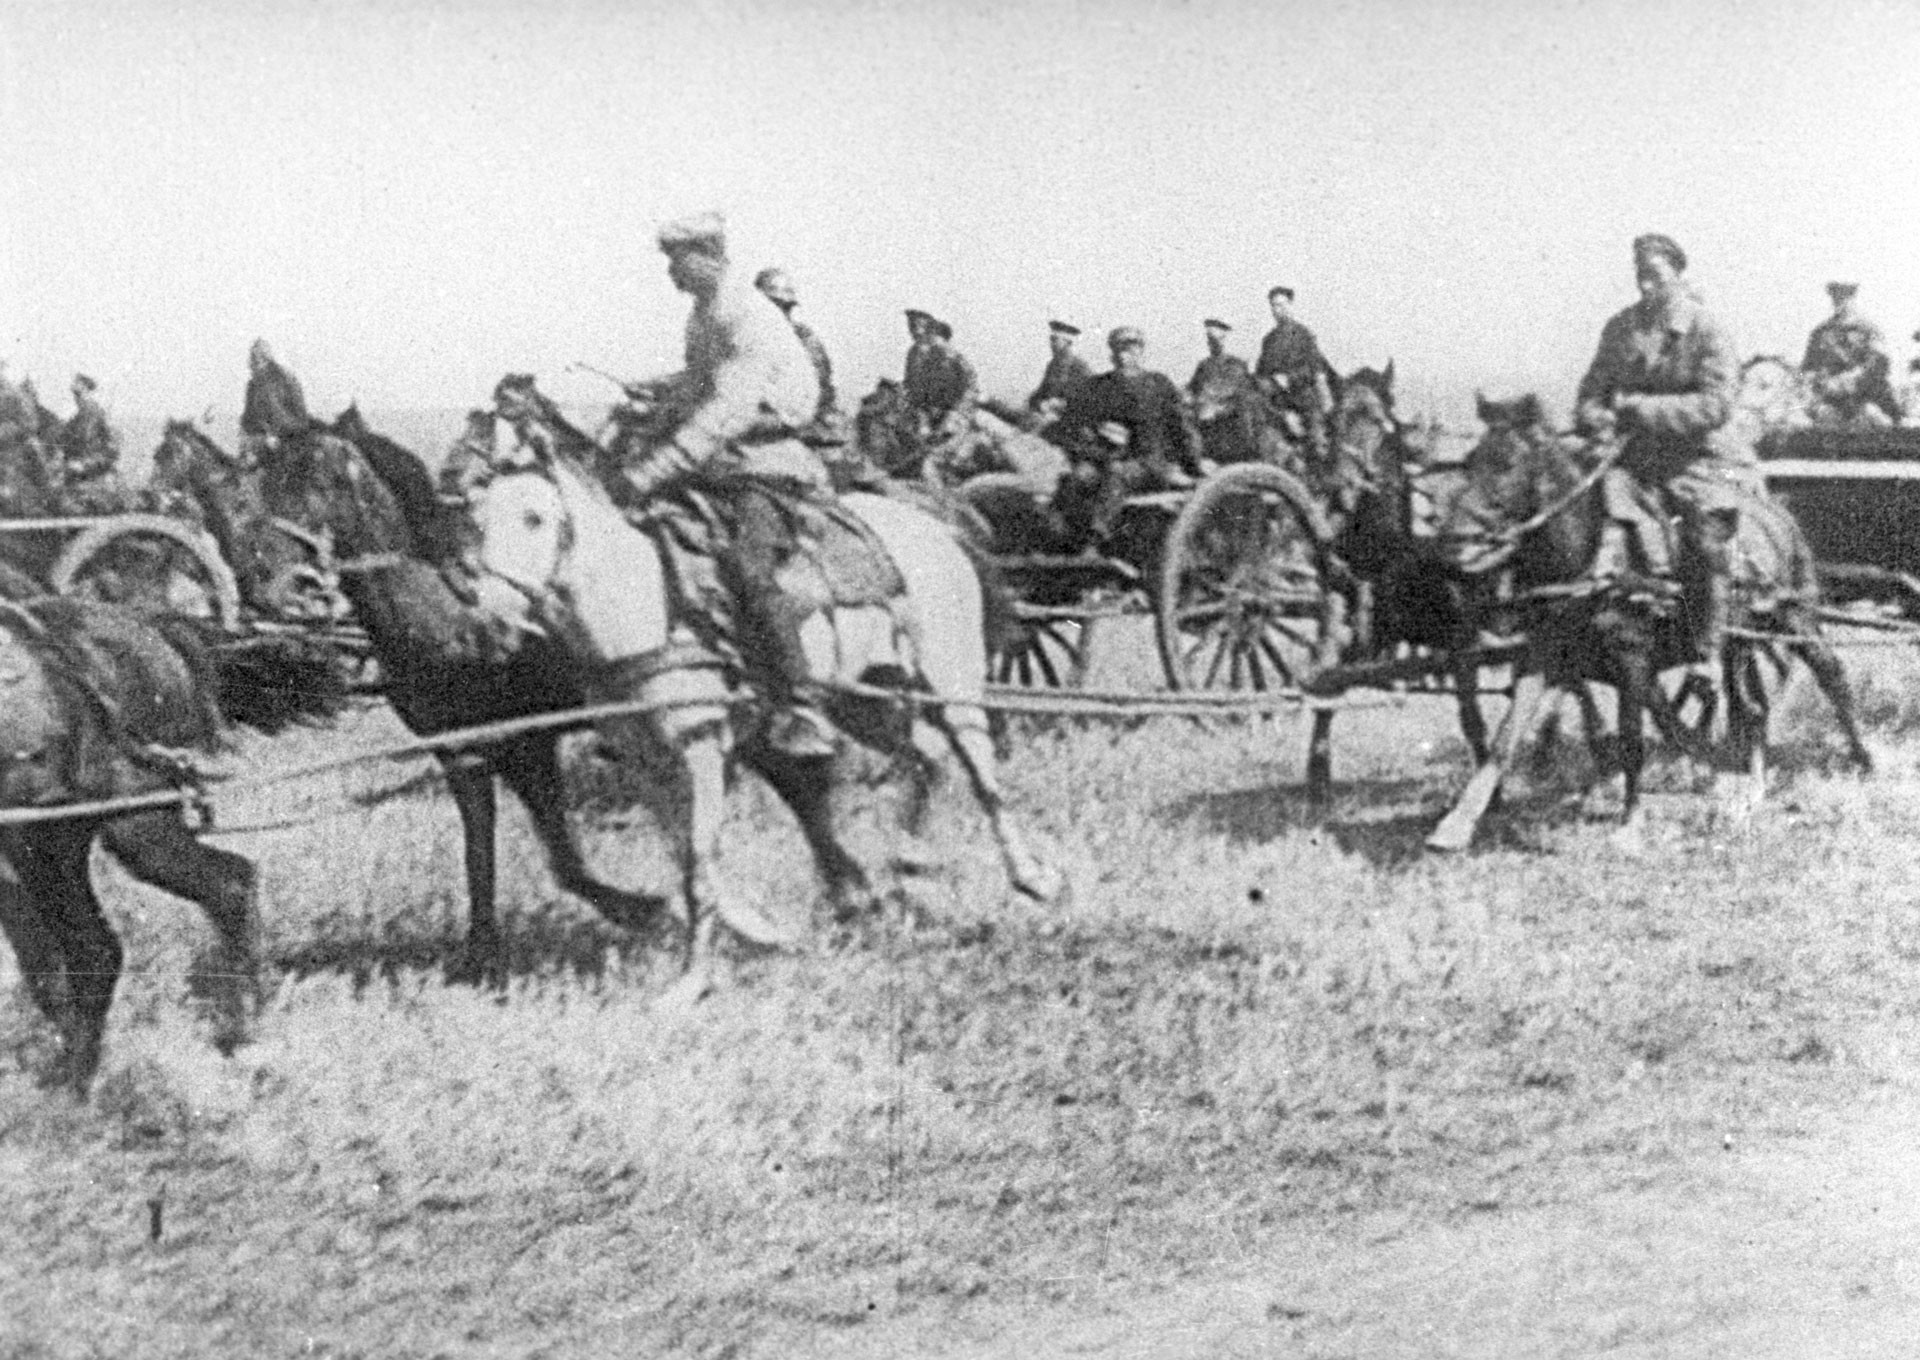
(753, 421)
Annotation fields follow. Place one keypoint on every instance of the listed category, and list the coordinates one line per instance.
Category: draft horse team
(699, 563)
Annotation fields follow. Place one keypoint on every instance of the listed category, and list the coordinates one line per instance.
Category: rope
(1006, 698)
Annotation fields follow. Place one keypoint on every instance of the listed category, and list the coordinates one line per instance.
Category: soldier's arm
(1594, 399)
(1709, 405)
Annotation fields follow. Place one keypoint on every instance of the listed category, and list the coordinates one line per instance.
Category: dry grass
(1241, 1021)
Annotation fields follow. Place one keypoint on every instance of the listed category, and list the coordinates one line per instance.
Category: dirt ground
(1777, 1243)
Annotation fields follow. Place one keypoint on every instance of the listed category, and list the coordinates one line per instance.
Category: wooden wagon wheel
(1051, 649)
(153, 560)
(1245, 600)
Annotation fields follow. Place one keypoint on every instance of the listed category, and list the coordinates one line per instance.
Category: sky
(408, 200)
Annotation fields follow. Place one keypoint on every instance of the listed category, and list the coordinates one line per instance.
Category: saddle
(837, 562)
(1769, 562)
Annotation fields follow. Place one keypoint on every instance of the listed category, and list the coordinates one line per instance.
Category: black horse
(445, 664)
(1534, 505)
(100, 701)
(1396, 596)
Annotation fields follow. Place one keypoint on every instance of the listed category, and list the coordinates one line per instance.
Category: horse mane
(432, 526)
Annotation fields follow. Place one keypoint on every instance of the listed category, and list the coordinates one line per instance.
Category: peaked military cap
(82, 383)
(1280, 290)
(705, 231)
(1653, 243)
(1836, 291)
(1121, 336)
(1063, 327)
(1214, 323)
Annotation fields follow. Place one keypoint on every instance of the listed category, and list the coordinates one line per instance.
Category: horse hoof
(692, 988)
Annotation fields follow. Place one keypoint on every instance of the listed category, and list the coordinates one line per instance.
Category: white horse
(599, 584)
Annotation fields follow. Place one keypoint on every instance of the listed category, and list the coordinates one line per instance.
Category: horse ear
(1483, 408)
(1386, 375)
(1531, 412)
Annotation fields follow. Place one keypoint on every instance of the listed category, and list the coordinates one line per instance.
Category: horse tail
(268, 683)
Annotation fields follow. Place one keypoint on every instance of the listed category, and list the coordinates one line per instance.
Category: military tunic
(1065, 373)
(275, 406)
(1221, 373)
(1290, 359)
(940, 386)
(1160, 435)
(1847, 359)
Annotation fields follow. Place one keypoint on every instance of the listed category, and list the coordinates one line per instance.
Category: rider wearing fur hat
(1663, 382)
(733, 417)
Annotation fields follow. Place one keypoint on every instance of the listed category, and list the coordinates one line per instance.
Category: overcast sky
(409, 200)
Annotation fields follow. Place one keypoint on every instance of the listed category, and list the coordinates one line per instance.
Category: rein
(1559, 504)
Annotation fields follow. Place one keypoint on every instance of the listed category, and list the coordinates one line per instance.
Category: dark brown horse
(99, 702)
(1534, 505)
(446, 665)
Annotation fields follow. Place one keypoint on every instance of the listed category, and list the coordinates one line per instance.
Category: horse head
(1502, 485)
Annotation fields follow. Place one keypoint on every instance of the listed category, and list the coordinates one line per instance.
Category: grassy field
(1243, 1029)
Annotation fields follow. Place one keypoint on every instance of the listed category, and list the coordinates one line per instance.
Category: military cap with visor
(706, 232)
(1654, 244)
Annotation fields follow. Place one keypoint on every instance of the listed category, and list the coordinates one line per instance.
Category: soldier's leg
(770, 624)
(1712, 526)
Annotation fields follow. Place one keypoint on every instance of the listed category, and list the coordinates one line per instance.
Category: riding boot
(1715, 530)
(772, 630)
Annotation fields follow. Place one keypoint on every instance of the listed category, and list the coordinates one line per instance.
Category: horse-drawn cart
(1233, 571)
(1856, 495)
(132, 557)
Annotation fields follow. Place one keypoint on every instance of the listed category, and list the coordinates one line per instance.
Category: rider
(1848, 366)
(734, 415)
(89, 449)
(275, 408)
(940, 387)
(1127, 431)
(1663, 380)
(1220, 371)
(1065, 372)
(1294, 372)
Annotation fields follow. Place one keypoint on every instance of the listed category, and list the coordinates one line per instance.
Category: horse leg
(1466, 694)
(799, 784)
(37, 949)
(1456, 829)
(159, 850)
(1320, 759)
(51, 861)
(1831, 676)
(1632, 740)
(966, 728)
(470, 780)
(530, 767)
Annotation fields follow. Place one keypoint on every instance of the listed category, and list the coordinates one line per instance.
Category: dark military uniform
(275, 408)
(1297, 374)
(1066, 372)
(1847, 361)
(88, 446)
(1222, 373)
(940, 387)
(1161, 442)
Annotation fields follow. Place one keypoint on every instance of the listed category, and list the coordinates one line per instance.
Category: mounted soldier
(1221, 374)
(1296, 375)
(1662, 385)
(275, 409)
(1847, 366)
(731, 422)
(941, 392)
(829, 430)
(90, 456)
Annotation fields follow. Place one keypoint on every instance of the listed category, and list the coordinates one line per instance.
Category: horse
(1535, 505)
(602, 586)
(283, 571)
(445, 664)
(1394, 592)
(100, 702)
